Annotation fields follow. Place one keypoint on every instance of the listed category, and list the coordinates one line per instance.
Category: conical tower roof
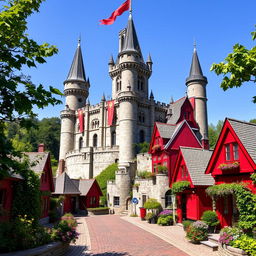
(196, 73)
(131, 43)
(76, 71)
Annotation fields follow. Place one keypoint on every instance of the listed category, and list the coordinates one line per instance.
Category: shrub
(186, 224)
(149, 215)
(102, 179)
(98, 209)
(210, 218)
(162, 169)
(197, 231)
(152, 203)
(180, 186)
(229, 234)
(165, 213)
(65, 230)
(134, 215)
(145, 175)
(246, 243)
(166, 220)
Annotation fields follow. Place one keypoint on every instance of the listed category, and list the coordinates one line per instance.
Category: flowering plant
(228, 166)
(197, 231)
(228, 235)
(165, 213)
(156, 147)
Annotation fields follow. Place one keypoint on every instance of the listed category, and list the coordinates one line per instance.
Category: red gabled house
(41, 164)
(233, 160)
(79, 194)
(165, 143)
(190, 166)
(6, 195)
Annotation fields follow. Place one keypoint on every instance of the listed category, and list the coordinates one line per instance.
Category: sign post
(135, 201)
(173, 208)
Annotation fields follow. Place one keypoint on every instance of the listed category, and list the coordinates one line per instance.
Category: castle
(94, 136)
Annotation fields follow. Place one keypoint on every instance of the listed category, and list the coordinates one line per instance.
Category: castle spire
(196, 73)
(131, 43)
(76, 72)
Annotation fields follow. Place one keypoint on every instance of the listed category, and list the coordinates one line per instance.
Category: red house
(6, 195)
(233, 160)
(79, 194)
(166, 140)
(190, 166)
(41, 164)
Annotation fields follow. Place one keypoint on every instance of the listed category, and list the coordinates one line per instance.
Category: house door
(184, 206)
(144, 199)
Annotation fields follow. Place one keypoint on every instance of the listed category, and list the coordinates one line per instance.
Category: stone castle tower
(196, 92)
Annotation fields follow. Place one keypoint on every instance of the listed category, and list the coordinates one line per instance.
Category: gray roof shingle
(247, 135)
(175, 109)
(37, 161)
(85, 186)
(196, 160)
(166, 130)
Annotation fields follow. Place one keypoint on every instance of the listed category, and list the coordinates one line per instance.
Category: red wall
(6, 185)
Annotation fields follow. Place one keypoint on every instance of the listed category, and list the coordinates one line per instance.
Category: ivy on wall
(245, 199)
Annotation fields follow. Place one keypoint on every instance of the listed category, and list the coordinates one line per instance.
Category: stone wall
(144, 162)
(52, 249)
(230, 251)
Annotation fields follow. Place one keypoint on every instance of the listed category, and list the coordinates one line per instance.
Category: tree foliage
(18, 93)
(238, 67)
(214, 132)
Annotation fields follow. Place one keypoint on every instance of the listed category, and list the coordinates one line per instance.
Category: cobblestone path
(110, 235)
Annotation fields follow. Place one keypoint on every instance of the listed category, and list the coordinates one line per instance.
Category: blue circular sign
(135, 200)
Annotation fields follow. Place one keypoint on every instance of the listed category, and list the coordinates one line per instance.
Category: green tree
(214, 132)
(253, 121)
(238, 67)
(18, 93)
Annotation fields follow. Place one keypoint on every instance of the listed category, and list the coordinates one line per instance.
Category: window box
(229, 166)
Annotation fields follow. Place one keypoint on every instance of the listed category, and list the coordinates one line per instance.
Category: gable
(187, 113)
(227, 140)
(94, 189)
(184, 136)
(46, 180)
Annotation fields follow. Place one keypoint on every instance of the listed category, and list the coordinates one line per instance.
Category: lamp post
(173, 208)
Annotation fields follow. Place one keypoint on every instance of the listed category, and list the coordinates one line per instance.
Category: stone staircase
(212, 241)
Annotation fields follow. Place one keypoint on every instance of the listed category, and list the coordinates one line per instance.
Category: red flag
(81, 120)
(119, 11)
(111, 111)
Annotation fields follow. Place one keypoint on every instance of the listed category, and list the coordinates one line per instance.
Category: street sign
(135, 200)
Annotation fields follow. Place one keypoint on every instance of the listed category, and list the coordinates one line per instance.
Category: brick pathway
(110, 235)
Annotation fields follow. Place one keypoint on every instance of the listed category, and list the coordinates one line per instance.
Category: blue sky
(166, 29)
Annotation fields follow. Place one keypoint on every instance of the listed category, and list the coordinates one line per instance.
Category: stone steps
(212, 241)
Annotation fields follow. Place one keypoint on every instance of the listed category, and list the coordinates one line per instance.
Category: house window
(113, 138)
(93, 200)
(95, 140)
(235, 151)
(116, 200)
(2, 197)
(227, 151)
(81, 143)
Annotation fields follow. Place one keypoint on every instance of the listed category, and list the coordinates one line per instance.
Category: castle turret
(76, 87)
(76, 92)
(196, 92)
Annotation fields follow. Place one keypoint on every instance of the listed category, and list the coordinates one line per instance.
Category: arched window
(141, 117)
(95, 140)
(113, 138)
(95, 123)
(168, 198)
(141, 136)
(81, 142)
(140, 83)
(118, 84)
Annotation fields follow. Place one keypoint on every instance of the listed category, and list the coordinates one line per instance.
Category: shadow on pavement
(110, 254)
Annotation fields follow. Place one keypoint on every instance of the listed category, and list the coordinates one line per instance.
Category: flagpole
(130, 7)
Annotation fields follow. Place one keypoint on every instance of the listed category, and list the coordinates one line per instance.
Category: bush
(102, 179)
(134, 215)
(210, 218)
(65, 231)
(180, 186)
(21, 234)
(197, 232)
(166, 220)
(149, 215)
(186, 224)
(228, 235)
(152, 203)
(145, 175)
(246, 243)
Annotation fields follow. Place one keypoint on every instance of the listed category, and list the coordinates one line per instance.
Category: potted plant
(165, 218)
(211, 219)
(198, 231)
(154, 206)
(186, 224)
(151, 217)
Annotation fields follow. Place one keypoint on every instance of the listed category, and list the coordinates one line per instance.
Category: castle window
(81, 142)
(95, 140)
(140, 83)
(141, 117)
(116, 201)
(79, 99)
(113, 138)
(95, 123)
(142, 136)
(118, 84)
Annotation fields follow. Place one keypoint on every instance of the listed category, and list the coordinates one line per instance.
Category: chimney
(41, 147)
(61, 166)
